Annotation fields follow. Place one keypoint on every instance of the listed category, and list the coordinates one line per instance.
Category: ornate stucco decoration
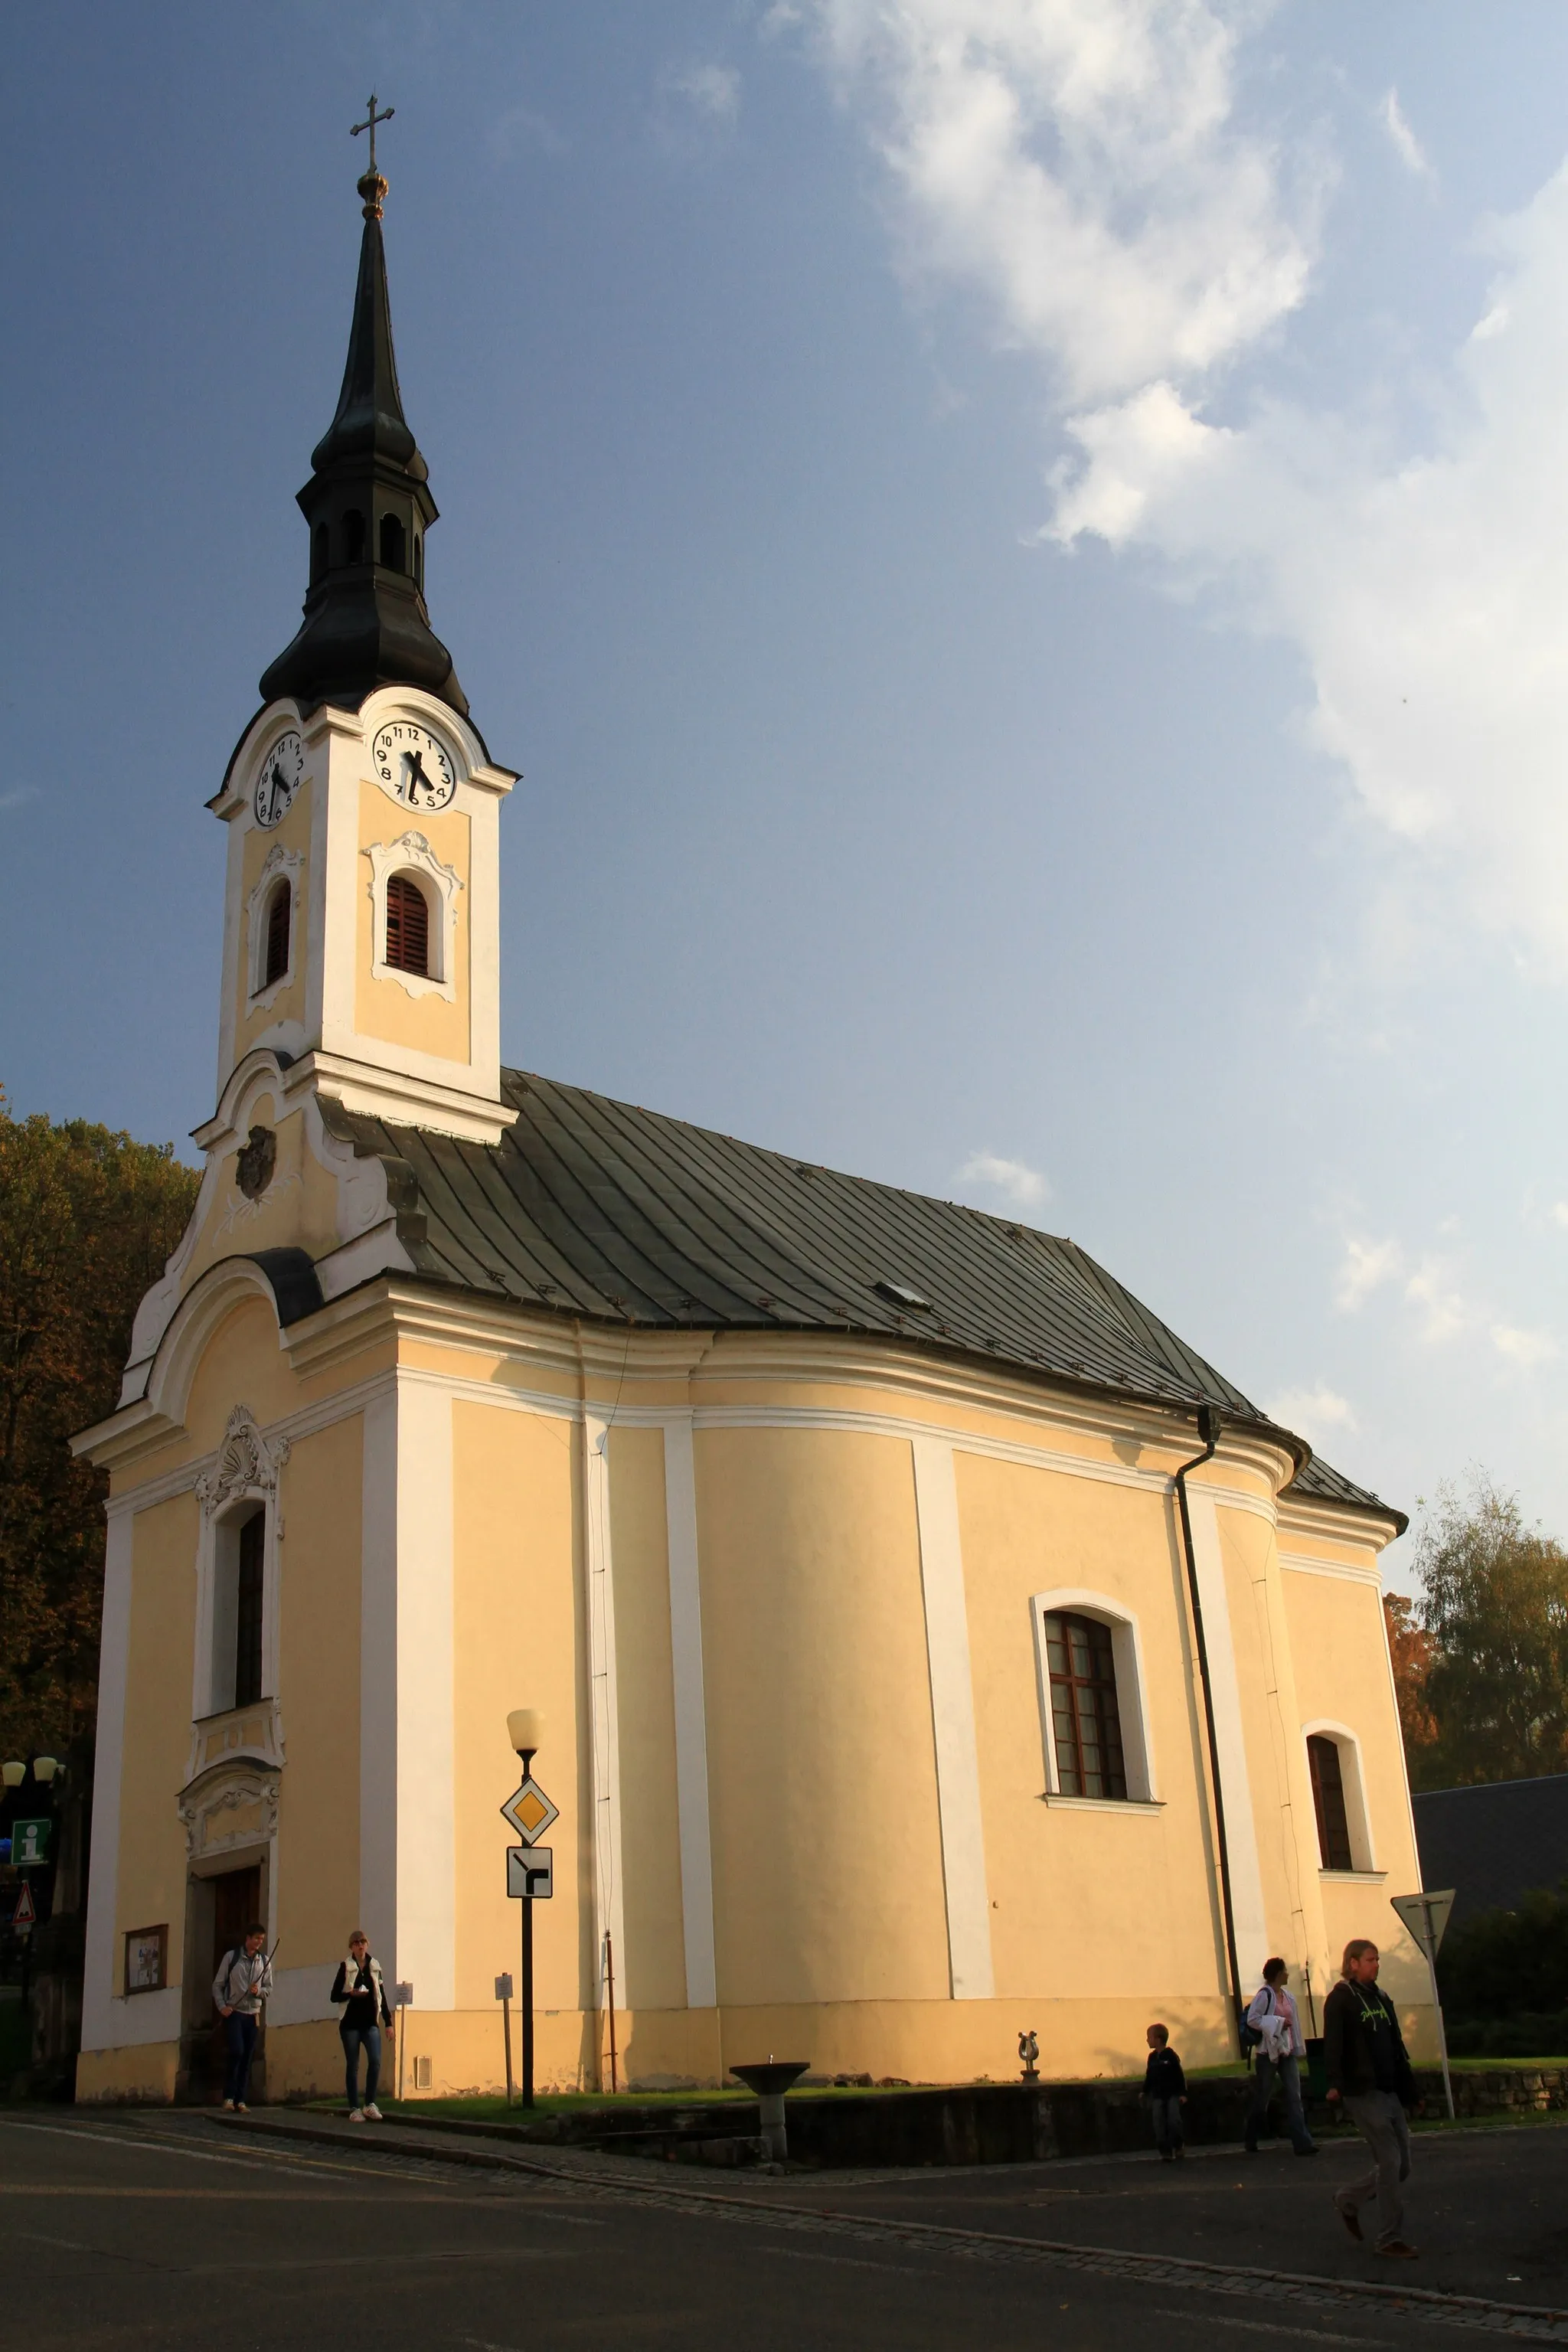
(247, 1464)
(231, 1807)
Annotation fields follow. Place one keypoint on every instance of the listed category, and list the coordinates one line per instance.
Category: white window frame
(245, 1472)
(1358, 1816)
(1132, 1702)
(412, 853)
(278, 865)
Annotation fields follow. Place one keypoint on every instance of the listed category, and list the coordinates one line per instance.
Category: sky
(1021, 550)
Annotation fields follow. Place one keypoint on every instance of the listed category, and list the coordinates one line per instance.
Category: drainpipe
(1209, 1427)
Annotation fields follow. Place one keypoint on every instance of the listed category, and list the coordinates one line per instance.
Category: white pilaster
(1252, 1945)
(378, 1683)
(426, 1798)
(690, 1713)
(609, 1907)
(99, 2028)
(952, 1722)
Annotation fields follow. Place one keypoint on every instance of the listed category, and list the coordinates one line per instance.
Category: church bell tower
(362, 921)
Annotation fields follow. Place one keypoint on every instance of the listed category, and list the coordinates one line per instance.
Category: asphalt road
(168, 2231)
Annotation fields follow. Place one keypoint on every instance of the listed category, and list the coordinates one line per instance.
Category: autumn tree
(1411, 1651)
(86, 1220)
(1487, 1698)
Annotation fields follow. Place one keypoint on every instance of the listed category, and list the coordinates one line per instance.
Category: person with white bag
(1274, 2026)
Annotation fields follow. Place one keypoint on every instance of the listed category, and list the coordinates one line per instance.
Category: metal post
(610, 1978)
(526, 1907)
(503, 1994)
(1429, 1948)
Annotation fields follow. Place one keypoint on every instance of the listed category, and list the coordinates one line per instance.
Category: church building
(930, 1646)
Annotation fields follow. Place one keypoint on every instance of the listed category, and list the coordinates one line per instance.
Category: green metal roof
(600, 1209)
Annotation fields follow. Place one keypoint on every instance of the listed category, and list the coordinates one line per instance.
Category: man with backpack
(1274, 2032)
(244, 1980)
(1369, 2075)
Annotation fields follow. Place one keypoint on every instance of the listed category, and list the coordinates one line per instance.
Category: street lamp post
(525, 1730)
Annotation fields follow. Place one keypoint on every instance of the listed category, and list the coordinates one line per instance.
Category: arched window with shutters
(1339, 1801)
(1086, 1714)
(1094, 1718)
(279, 913)
(407, 926)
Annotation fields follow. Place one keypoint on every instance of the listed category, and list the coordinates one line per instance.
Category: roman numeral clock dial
(412, 765)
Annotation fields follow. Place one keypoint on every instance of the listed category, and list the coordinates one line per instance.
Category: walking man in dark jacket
(1369, 2074)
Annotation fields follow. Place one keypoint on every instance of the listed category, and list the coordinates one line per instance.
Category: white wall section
(953, 1721)
(609, 1905)
(378, 1682)
(1252, 1942)
(690, 1713)
(426, 1799)
(102, 2016)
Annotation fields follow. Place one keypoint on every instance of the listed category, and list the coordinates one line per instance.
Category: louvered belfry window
(1328, 1800)
(1085, 1720)
(277, 912)
(407, 927)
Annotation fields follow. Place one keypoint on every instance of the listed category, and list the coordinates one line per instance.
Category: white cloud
(713, 90)
(18, 795)
(1367, 1265)
(1023, 1185)
(1080, 166)
(1560, 1213)
(1313, 1412)
(1526, 1348)
(1443, 1310)
(1078, 160)
(1403, 139)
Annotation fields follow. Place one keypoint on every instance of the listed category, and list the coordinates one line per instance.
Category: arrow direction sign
(530, 1872)
(529, 1811)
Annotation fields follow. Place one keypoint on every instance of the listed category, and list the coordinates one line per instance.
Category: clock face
(413, 766)
(279, 780)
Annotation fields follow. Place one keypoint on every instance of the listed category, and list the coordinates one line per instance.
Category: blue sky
(1021, 547)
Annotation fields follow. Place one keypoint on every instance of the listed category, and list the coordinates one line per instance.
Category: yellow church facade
(930, 1646)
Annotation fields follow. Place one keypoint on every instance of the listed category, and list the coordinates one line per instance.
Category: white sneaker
(228, 2106)
(372, 2114)
(356, 2115)
(240, 2108)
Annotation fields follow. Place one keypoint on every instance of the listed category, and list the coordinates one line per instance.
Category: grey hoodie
(243, 1982)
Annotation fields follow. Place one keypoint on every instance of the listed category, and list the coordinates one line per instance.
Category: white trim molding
(280, 864)
(609, 1900)
(411, 853)
(1352, 1780)
(970, 1975)
(1132, 1689)
(690, 1713)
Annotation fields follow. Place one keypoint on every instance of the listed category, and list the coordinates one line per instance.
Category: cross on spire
(371, 118)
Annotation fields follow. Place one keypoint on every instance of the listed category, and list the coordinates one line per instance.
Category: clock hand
(278, 785)
(417, 775)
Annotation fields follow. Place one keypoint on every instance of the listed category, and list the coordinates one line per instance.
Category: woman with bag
(1275, 2028)
(358, 1987)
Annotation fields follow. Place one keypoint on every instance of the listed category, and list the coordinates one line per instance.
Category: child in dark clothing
(1166, 2089)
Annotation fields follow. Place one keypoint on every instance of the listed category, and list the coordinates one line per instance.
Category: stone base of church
(142, 2075)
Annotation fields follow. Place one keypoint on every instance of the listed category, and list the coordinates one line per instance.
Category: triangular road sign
(529, 1812)
(1425, 1915)
(27, 1912)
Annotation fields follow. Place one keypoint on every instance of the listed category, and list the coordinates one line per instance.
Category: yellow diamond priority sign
(529, 1811)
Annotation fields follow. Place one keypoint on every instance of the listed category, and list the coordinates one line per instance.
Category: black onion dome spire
(368, 505)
